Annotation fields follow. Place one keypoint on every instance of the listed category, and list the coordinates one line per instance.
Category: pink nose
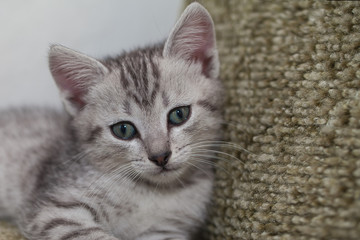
(161, 159)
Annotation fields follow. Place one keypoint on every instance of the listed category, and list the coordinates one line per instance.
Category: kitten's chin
(165, 176)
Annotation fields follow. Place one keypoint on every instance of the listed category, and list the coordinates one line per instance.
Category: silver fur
(64, 176)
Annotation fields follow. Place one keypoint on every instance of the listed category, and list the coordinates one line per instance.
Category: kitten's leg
(64, 221)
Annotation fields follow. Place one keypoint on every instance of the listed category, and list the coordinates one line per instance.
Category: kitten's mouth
(167, 169)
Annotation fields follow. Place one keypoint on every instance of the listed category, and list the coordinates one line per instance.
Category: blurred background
(97, 28)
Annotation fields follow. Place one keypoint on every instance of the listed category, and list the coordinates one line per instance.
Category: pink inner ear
(74, 73)
(202, 56)
(207, 66)
(195, 40)
(74, 91)
(77, 99)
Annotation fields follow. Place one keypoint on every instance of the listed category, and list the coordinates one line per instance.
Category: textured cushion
(291, 70)
(9, 232)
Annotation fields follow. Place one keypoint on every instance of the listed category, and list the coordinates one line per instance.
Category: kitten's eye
(179, 115)
(124, 130)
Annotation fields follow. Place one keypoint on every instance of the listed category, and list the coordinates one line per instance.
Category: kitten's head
(146, 113)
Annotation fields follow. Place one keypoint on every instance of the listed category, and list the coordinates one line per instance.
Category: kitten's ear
(193, 39)
(74, 74)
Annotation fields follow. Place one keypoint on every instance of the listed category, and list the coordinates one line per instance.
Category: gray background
(97, 28)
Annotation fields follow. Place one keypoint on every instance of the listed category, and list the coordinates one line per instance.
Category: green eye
(124, 130)
(179, 115)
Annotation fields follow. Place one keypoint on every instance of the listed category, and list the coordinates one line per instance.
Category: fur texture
(67, 176)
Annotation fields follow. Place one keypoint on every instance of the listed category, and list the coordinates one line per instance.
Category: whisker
(229, 124)
(115, 179)
(194, 165)
(179, 180)
(209, 162)
(110, 176)
(157, 185)
(232, 122)
(105, 174)
(137, 177)
(218, 152)
(221, 144)
(76, 158)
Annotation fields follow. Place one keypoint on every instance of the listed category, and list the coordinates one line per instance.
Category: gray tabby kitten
(131, 159)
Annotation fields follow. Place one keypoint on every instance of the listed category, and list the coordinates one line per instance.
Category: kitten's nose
(161, 159)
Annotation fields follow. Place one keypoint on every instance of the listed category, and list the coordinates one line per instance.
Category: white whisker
(201, 160)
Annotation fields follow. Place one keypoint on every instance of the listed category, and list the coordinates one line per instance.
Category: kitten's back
(27, 137)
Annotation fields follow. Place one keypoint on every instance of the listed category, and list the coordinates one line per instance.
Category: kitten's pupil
(179, 114)
(123, 128)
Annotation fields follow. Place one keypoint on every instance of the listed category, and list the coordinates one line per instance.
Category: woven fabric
(291, 70)
(9, 232)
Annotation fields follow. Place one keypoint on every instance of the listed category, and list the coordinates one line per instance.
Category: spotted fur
(65, 176)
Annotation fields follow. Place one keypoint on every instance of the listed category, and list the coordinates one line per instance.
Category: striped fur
(66, 177)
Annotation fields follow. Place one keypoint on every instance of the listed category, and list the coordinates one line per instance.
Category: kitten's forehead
(144, 78)
(137, 74)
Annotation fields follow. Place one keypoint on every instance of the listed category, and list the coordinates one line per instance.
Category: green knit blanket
(292, 73)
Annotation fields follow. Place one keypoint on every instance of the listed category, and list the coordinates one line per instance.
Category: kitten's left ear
(74, 74)
(193, 39)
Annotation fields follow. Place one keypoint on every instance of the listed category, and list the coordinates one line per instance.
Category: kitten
(131, 158)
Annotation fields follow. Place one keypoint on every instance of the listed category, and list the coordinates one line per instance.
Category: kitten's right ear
(74, 74)
(193, 39)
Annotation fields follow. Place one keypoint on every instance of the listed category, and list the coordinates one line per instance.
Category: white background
(95, 27)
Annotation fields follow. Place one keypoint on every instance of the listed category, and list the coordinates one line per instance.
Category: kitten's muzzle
(162, 159)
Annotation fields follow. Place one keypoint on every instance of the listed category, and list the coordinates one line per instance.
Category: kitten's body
(27, 136)
(129, 209)
(68, 177)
